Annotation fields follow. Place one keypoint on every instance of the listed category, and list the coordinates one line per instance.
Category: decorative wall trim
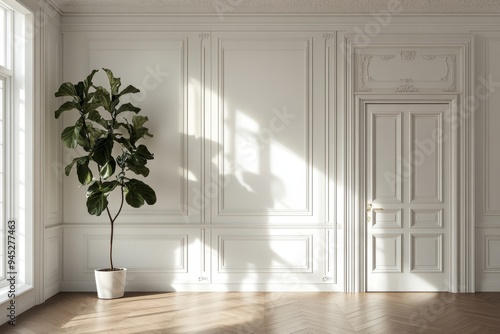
(486, 144)
(182, 239)
(364, 65)
(407, 55)
(406, 88)
(331, 251)
(52, 261)
(420, 67)
(221, 43)
(279, 7)
(304, 241)
(152, 44)
(491, 252)
(330, 128)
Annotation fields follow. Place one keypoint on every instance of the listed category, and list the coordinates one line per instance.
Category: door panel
(386, 148)
(407, 151)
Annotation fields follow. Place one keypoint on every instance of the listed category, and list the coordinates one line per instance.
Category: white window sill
(6, 292)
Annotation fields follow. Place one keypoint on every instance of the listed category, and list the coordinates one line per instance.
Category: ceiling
(277, 6)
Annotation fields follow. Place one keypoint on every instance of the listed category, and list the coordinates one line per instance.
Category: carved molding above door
(406, 70)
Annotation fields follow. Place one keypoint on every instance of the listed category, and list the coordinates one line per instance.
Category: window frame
(18, 139)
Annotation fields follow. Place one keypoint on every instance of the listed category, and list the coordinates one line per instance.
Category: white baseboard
(488, 287)
(186, 287)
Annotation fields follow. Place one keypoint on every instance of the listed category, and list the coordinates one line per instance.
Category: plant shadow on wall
(109, 137)
(240, 263)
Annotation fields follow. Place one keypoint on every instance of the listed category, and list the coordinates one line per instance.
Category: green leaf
(103, 97)
(125, 142)
(84, 173)
(118, 124)
(91, 107)
(128, 90)
(69, 105)
(66, 89)
(68, 168)
(137, 192)
(80, 90)
(108, 169)
(136, 130)
(83, 139)
(138, 159)
(113, 105)
(96, 202)
(144, 153)
(94, 134)
(115, 83)
(95, 116)
(70, 136)
(102, 150)
(128, 107)
(139, 170)
(109, 186)
(140, 130)
(87, 83)
(138, 121)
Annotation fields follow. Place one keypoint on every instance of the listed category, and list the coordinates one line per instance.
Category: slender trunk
(111, 246)
(112, 223)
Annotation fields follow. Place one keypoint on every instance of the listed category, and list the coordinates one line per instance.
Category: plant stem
(112, 223)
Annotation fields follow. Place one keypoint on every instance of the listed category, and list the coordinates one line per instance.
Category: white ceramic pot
(110, 284)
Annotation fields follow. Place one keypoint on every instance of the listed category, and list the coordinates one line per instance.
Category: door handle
(368, 212)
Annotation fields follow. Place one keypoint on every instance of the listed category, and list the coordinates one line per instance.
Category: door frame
(356, 232)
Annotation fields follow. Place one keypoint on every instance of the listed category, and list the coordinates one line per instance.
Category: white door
(408, 214)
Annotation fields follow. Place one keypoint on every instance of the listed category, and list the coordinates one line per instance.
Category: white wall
(252, 149)
(488, 162)
(52, 152)
(263, 138)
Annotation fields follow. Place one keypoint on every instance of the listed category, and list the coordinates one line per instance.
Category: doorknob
(369, 207)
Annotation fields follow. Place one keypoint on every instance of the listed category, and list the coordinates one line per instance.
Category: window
(3, 89)
(16, 153)
(5, 80)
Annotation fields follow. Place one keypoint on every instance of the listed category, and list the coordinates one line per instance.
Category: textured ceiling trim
(221, 7)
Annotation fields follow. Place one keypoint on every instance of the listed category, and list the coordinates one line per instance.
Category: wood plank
(261, 313)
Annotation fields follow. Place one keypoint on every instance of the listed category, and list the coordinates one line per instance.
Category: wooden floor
(243, 313)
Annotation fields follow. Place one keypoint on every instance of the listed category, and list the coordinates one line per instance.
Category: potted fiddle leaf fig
(108, 132)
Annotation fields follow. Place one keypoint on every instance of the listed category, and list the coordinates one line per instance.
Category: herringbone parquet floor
(244, 313)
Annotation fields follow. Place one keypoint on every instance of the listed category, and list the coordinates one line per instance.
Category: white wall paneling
(157, 258)
(256, 140)
(270, 137)
(171, 96)
(487, 162)
(293, 259)
(243, 125)
(52, 261)
(53, 170)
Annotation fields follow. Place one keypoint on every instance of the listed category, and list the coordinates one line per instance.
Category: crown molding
(221, 7)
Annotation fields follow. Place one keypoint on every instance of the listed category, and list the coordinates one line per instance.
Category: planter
(110, 284)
